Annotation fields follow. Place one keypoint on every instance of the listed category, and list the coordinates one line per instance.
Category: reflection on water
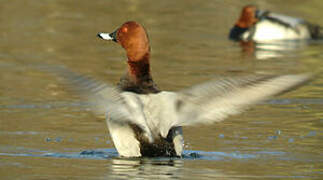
(48, 133)
(274, 49)
(165, 168)
(145, 168)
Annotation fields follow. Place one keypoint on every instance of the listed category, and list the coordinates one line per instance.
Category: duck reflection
(273, 49)
(130, 168)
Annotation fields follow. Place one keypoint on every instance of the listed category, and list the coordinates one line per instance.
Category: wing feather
(215, 100)
(105, 99)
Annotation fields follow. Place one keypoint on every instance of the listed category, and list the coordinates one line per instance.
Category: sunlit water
(48, 133)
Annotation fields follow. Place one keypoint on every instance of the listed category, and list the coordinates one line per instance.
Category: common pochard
(134, 39)
(264, 26)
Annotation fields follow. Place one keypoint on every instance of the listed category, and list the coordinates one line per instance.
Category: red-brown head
(133, 38)
(247, 17)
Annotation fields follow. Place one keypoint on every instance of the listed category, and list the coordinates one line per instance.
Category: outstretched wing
(99, 95)
(215, 100)
(104, 99)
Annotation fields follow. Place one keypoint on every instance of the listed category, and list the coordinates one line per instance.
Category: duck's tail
(316, 31)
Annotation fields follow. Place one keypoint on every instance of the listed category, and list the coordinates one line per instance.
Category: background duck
(258, 25)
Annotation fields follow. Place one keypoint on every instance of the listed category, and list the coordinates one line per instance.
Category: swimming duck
(144, 121)
(258, 25)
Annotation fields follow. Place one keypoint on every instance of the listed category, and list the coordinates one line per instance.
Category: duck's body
(142, 137)
(264, 26)
(269, 29)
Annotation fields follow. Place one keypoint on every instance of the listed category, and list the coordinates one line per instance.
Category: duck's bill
(108, 36)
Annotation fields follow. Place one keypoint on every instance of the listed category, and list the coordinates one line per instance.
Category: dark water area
(48, 133)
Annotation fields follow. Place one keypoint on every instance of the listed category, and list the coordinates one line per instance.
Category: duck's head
(248, 17)
(132, 37)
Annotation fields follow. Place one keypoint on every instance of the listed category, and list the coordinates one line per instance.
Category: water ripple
(187, 155)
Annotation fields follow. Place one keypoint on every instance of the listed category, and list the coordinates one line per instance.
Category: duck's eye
(124, 29)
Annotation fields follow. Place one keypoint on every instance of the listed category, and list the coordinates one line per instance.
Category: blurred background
(48, 133)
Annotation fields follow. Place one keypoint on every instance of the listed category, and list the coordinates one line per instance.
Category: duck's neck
(138, 78)
(139, 70)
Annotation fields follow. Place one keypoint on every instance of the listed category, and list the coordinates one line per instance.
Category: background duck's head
(248, 17)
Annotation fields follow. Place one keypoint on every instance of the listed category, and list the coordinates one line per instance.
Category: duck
(263, 26)
(144, 121)
(138, 79)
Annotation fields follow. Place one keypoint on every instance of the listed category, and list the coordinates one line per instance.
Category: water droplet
(58, 139)
(194, 155)
(311, 133)
(272, 137)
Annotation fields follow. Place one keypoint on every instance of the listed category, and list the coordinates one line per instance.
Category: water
(48, 133)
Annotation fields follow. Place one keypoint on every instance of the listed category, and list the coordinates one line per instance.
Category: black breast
(236, 33)
(161, 147)
(145, 86)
